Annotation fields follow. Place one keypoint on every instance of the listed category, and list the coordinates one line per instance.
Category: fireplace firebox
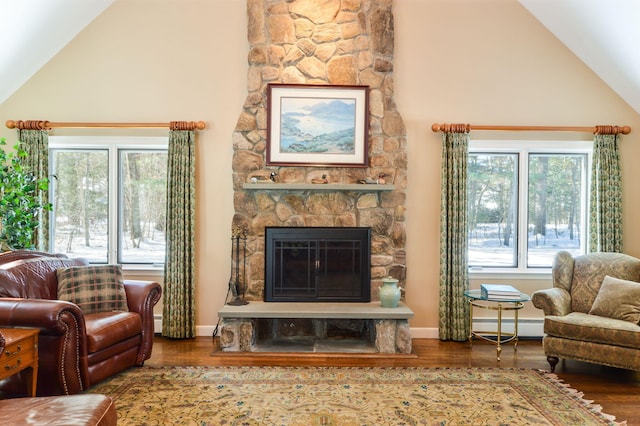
(317, 264)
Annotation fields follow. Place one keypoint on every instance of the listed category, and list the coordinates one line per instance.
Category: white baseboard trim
(157, 324)
(527, 327)
(424, 333)
(205, 330)
(201, 330)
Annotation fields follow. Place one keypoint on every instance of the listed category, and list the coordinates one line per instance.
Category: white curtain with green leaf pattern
(178, 316)
(605, 207)
(454, 278)
(36, 145)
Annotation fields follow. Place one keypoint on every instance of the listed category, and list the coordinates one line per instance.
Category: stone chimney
(322, 42)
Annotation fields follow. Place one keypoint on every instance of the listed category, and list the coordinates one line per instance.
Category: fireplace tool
(236, 286)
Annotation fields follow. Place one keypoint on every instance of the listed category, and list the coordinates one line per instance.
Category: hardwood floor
(616, 390)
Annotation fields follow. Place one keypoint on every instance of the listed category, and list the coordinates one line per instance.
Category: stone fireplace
(336, 42)
(321, 42)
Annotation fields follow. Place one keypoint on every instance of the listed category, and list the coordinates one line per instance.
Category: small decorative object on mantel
(323, 179)
(260, 179)
(379, 180)
(389, 293)
(264, 179)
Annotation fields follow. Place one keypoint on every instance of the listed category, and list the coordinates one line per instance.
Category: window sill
(493, 273)
(133, 271)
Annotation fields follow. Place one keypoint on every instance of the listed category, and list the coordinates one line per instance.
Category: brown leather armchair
(76, 350)
(89, 409)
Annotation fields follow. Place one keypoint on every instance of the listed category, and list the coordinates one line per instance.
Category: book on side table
(499, 292)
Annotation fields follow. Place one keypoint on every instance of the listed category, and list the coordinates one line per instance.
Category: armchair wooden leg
(553, 360)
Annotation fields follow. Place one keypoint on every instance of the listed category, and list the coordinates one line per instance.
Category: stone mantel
(355, 187)
(372, 310)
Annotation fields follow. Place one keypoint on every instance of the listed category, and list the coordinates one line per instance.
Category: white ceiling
(34, 31)
(604, 34)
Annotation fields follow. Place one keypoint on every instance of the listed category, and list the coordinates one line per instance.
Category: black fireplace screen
(305, 264)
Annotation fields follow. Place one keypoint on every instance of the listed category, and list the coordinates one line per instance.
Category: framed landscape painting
(317, 125)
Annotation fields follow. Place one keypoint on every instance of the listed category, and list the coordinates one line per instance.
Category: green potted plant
(20, 200)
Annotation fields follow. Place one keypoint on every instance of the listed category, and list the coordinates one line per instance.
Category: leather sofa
(68, 410)
(76, 350)
(592, 312)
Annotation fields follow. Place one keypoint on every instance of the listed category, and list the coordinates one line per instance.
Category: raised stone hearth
(315, 327)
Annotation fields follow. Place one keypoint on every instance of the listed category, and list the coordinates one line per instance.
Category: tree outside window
(525, 205)
(109, 201)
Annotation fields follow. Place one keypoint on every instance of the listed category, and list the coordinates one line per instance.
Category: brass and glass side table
(497, 337)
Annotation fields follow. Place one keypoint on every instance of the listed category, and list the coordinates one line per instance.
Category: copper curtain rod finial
(612, 130)
(187, 125)
(456, 128)
(28, 125)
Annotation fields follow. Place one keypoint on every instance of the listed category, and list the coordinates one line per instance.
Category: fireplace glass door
(317, 264)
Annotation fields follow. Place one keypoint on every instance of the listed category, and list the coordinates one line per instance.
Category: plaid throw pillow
(97, 288)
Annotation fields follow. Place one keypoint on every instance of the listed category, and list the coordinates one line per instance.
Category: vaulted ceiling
(604, 34)
(34, 31)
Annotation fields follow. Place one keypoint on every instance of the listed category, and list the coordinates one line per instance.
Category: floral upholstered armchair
(592, 313)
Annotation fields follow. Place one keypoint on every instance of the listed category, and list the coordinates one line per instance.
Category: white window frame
(523, 148)
(113, 144)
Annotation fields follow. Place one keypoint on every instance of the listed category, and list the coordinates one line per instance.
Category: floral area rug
(346, 396)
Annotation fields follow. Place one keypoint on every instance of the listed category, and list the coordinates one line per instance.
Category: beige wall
(479, 62)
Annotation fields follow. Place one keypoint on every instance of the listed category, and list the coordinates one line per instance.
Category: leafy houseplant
(20, 200)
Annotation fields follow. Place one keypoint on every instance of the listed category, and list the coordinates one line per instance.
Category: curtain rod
(466, 128)
(48, 125)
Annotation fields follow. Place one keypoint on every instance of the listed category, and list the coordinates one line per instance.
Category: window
(109, 198)
(526, 201)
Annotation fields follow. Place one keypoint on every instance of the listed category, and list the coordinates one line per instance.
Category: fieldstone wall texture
(322, 42)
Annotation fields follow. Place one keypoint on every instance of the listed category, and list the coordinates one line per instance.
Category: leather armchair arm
(52, 317)
(553, 301)
(142, 296)
(62, 346)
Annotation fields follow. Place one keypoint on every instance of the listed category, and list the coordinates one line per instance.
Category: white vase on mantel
(389, 293)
